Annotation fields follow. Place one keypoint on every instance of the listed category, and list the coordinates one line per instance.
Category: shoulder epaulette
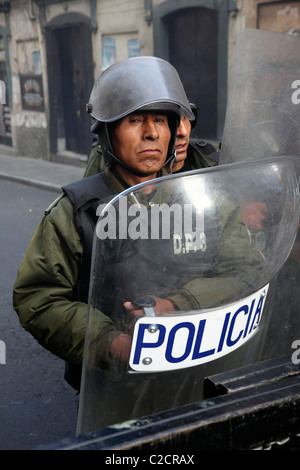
(204, 146)
(53, 204)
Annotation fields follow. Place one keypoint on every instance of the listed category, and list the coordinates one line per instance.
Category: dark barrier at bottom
(254, 407)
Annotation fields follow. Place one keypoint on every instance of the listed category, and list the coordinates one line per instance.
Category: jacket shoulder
(74, 191)
(202, 154)
(96, 162)
(89, 190)
(53, 204)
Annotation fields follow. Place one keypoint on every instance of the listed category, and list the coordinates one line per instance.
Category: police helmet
(137, 84)
(194, 108)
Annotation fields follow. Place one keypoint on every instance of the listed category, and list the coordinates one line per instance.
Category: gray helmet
(194, 108)
(139, 83)
(134, 83)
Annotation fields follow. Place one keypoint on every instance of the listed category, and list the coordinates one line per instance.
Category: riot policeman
(50, 292)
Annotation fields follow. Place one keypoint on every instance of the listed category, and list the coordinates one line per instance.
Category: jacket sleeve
(43, 291)
(238, 268)
(96, 162)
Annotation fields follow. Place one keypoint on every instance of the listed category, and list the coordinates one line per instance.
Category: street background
(37, 406)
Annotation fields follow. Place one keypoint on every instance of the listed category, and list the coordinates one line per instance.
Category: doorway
(70, 80)
(193, 50)
(5, 124)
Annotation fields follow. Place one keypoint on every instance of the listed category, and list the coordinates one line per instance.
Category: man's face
(140, 141)
(182, 139)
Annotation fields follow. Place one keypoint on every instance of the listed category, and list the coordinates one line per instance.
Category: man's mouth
(181, 148)
(150, 151)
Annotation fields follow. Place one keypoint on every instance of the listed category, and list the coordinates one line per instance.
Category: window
(108, 52)
(118, 47)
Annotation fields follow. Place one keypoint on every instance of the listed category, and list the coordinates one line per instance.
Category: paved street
(36, 404)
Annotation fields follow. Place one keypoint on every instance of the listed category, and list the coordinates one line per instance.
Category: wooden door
(70, 72)
(193, 41)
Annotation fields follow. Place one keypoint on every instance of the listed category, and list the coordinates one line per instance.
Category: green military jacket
(43, 295)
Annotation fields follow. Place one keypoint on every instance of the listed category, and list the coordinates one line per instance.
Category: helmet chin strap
(171, 160)
(113, 158)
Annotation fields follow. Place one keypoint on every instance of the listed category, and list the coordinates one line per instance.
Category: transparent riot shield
(183, 271)
(263, 120)
(263, 109)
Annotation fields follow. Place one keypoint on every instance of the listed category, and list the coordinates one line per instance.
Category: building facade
(52, 51)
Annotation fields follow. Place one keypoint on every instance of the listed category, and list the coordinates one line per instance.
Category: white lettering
(193, 339)
(296, 94)
(295, 355)
(136, 221)
(2, 92)
(138, 227)
(189, 243)
(177, 244)
(2, 353)
(171, 459)
(115, 460)
(161, 220)
(107, 227)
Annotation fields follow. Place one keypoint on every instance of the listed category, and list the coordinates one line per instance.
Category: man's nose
(181, 130)
(150, 128)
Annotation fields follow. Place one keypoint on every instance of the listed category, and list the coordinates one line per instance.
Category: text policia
(178, 341)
